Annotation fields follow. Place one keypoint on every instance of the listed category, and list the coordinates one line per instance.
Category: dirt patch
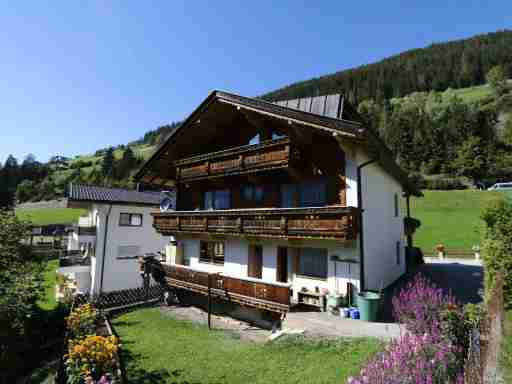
(245, 331)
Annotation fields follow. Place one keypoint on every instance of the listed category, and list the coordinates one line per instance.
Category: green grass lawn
(158, 348)
(449, 217)
(49, 302)
(44, 216)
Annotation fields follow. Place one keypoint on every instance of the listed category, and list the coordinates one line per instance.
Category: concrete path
(323, 324)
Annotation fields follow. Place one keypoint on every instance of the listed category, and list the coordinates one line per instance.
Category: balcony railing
(332, 222)
(274, 297)
(274, 154)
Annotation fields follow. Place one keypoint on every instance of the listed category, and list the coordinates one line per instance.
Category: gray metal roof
(91, 193)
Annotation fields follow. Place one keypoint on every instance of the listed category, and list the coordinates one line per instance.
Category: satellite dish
(168, 200)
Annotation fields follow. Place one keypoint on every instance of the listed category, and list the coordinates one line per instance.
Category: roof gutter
(362, 282)
(105, 232)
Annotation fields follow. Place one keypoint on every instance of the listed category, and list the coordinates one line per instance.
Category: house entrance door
(282, 264)
(255, 261)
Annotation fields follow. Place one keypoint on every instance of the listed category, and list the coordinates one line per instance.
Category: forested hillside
(455, 64)
(413, 100)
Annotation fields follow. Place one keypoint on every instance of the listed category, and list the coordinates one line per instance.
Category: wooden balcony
(274, 154)
(274, 297)
(332, 222)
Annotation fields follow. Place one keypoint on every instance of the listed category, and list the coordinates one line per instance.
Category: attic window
(277, 135)
(255, 140)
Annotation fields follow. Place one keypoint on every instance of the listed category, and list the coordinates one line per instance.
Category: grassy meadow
(158, 348)
(451, 218)
(45, 216)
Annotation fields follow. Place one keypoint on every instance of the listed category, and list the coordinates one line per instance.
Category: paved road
(463, 280)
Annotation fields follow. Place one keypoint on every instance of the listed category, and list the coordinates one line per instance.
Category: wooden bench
(315, 299)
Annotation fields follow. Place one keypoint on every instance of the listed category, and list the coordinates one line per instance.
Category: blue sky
(79, 76)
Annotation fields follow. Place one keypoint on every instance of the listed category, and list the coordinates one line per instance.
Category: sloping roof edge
(92, 193)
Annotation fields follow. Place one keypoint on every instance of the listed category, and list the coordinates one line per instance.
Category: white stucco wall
(381, 228)
(236, 255)
(118, 273)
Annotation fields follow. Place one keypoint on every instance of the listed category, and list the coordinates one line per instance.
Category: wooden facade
(334, 222)
(269, 155)
(258, 294)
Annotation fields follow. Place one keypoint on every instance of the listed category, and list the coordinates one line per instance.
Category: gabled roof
(293, 112)
(91, 193)
(347, 128)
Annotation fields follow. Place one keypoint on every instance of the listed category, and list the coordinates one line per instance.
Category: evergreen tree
(107, 165)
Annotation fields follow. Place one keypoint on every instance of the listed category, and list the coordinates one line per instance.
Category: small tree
(472, 158)
(497, 80)
(21, 275)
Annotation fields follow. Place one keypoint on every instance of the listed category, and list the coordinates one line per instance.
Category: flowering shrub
(91, 357)
(82, 321)
(432, 349)
(413, 359)
(420, 304)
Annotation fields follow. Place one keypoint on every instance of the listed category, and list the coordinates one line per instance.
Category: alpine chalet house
(295, 199)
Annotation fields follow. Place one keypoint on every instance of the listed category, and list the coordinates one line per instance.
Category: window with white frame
(212, 252)
(130, 220)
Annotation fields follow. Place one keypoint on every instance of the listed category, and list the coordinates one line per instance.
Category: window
(313, 262)
(288, 193)
(313, 193)
(277, 135)
(252, 193)
(306, 194)
(212, 252)
(130, 220)
(220, 199)
(128, 250)
(255, 140)
(397, 253)
(397, 205)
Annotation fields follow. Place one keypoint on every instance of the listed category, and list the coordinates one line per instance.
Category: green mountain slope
(454, 64)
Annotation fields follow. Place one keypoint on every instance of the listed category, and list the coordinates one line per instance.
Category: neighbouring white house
(297, 194)
(104, 244)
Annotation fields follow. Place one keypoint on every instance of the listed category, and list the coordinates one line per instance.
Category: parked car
(501, 187)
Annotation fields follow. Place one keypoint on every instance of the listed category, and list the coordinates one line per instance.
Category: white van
(501, 187)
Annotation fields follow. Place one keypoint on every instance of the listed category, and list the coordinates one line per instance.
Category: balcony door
(282, 264)
(255, 261)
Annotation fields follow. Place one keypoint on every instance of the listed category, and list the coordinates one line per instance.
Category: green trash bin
(368, 303)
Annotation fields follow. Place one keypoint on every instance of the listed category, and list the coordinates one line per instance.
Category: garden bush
(419, 305)
(91, 358)
(497, 246)
(82, 321)
(443, 184)
(432, 348)
(414, 359)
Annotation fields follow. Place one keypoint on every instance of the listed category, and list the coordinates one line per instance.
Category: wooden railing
(332, 222)
(259, 294)
(249, 158)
